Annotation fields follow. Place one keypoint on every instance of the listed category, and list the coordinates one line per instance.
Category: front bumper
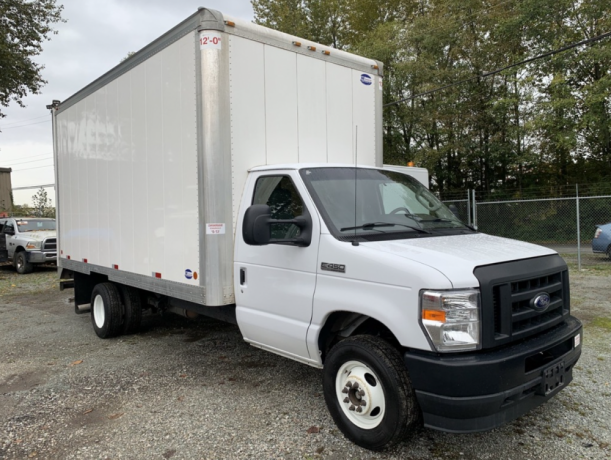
(39, 257)
(463, 393)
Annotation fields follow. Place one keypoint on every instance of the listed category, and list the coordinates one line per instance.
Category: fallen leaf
(169, 453)
(33, 454)
(182, 376)
(231, 379)
(88, 411)
(181, 398)
(74, 363)
(115, 416)
(320, 449)
(313, 429)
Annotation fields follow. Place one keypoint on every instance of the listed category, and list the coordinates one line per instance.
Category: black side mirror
(257, 227)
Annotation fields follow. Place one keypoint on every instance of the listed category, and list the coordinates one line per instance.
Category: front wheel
(22, 264)
(368, 392)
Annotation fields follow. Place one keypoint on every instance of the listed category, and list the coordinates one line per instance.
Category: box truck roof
(206, 19)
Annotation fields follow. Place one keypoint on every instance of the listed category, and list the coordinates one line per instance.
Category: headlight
(33, 245)
(452, 319)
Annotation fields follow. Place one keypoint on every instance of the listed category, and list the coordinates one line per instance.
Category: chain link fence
(564, 219)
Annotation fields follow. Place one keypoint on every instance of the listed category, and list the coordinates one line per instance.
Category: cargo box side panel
(128, 170)
(281, 106)
(364, 116)
(312, 114)
(339, 114)
(247, 107)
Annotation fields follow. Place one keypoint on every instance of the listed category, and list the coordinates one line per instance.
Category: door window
(280, 194)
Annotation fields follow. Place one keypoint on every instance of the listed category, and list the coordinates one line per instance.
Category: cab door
(274, 283)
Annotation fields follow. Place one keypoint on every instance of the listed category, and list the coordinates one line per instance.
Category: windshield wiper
(382, 224)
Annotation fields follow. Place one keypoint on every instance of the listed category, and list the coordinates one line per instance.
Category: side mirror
(257, 227)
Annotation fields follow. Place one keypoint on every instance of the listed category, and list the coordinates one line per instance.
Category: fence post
(578, 228)
(469, 206)
(474, 211)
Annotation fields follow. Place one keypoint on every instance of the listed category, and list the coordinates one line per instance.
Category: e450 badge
(333, 267)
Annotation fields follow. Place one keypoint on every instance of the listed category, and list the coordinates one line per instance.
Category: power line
(29, 124)
(27, 187)
(36, 167)
(31, 156)
(23, 162)
(27, 119)
(494, 72)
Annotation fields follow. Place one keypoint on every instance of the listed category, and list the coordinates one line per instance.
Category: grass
(13, 284)
(602, 322)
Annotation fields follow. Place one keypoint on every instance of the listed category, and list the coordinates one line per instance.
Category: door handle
(242, 276)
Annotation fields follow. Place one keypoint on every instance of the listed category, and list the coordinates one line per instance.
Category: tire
(22, 265)
(132, 309)
(389, 411)
(106, 310)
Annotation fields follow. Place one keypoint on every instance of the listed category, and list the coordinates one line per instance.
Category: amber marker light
(297, 43)
(230, 23)
(375, 67)
(325, 52)
(434, 315)
(312, 48)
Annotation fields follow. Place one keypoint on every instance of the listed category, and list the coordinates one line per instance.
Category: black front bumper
(463, 393)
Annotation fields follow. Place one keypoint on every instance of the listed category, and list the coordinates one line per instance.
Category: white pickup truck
(233, 171)
(27, 242)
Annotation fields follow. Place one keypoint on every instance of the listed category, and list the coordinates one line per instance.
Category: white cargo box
(152, 157)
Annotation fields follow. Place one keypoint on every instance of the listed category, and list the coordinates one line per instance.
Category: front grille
(50, 244)
(508, 291)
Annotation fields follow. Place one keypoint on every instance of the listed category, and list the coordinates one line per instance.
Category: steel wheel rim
(99, 314)
(19, 261)
(364, 404)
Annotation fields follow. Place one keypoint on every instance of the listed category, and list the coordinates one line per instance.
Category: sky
(96, 36)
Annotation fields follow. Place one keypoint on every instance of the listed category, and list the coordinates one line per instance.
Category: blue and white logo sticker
(366, 79)
(188, 274)
(541, 301)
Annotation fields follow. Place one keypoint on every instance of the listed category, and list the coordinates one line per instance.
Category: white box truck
(215, 172)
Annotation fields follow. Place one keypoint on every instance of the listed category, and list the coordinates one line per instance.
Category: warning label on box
(215, 229)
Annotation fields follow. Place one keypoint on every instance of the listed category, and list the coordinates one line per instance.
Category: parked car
(27, 241)
(602, 239)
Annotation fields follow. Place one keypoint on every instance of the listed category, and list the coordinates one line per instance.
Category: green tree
(42, 205)
(24, 26)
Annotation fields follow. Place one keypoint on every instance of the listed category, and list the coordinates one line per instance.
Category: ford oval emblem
(366, 79)
(541, 301)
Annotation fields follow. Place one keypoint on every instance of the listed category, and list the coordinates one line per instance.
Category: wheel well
(343, 324)
(83, 286)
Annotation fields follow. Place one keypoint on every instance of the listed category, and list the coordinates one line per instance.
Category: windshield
(35, 225)
(389, 204)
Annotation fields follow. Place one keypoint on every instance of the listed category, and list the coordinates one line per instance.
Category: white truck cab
(258, 196)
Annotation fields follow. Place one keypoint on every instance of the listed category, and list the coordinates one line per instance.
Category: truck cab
(350, 267)
(28, 241)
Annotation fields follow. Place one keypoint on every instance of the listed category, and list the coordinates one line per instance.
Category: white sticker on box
(577, 340)
(210, 40)
(215, 229)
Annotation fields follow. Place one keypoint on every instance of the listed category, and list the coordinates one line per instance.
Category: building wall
(5, 190)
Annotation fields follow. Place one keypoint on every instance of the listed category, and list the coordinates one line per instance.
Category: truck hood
(37, 236)
(456, 256)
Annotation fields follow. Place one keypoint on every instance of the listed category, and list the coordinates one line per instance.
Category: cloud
(96, 36)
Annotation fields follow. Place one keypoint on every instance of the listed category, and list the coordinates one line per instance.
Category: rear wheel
(22, 265)
(132, 309)
(369, 393)
(106, 311)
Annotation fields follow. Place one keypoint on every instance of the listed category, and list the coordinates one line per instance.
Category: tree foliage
(546, 123)
(42, 205)
(24, 26)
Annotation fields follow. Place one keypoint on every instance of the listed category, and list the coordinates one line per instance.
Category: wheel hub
(360, 394)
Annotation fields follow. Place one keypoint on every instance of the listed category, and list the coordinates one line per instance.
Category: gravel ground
(194, 390)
